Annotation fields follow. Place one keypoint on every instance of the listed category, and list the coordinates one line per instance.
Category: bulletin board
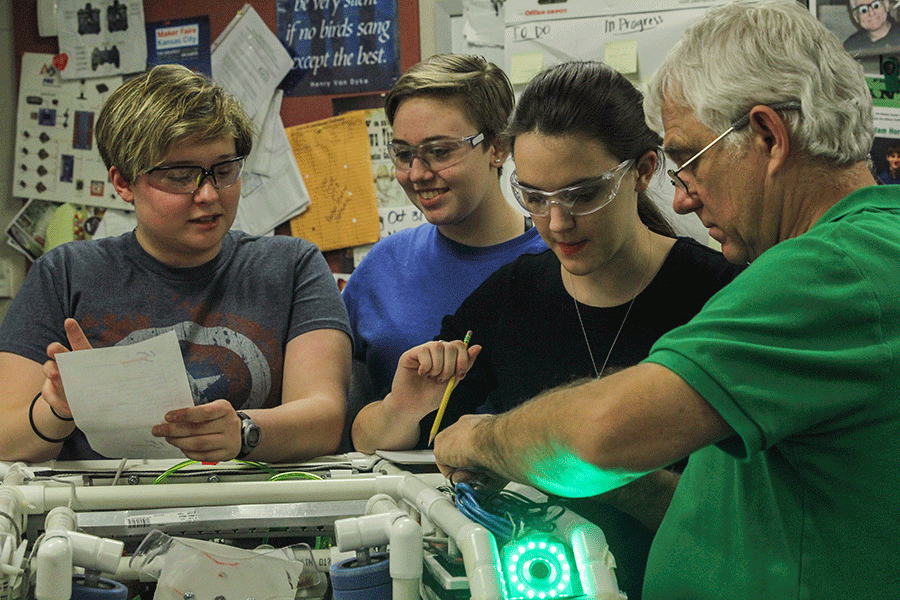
(294, 111)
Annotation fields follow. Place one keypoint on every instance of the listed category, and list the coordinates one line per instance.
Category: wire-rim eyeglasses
(737, 125)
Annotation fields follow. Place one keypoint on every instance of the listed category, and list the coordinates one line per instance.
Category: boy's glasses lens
(187, 179)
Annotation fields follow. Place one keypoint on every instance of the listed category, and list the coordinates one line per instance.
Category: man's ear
(123, 188)
(770, 134)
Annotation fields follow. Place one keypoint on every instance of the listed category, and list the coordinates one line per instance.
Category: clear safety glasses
(580, 199)
(436, 155)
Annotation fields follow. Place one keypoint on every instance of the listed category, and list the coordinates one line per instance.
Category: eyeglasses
(862, 10)
(187, 179)
(580, 199)
(436, 155)
(737, 125)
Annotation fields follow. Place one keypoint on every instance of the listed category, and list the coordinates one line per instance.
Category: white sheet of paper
(272, 188)
(249, 61)
(118, 394)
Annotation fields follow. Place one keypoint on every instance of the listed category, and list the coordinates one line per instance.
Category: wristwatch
(250, 435)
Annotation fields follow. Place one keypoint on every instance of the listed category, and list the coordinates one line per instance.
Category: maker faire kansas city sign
(339, 46)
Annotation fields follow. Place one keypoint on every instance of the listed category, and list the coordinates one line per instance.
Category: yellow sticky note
(523, 67)
(622, 56)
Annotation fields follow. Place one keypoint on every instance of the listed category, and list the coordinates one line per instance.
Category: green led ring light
(538, 569)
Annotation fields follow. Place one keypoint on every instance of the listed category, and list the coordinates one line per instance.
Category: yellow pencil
(450, 385)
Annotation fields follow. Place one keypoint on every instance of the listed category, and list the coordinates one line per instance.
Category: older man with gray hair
(785, 389)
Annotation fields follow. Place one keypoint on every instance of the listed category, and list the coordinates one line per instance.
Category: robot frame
(347, 527)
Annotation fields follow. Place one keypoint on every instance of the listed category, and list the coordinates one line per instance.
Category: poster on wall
(870, 31)
(181, 42)
(339, 46)
(100, 39)
(56, 151)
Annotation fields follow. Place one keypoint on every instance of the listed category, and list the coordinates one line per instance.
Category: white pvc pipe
(41, 498)
(476, 544)
(53, 572)
(11, 508)
(388, 524)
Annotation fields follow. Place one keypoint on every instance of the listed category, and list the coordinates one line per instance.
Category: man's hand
(456, 450)
(52, 390)
(206, 433)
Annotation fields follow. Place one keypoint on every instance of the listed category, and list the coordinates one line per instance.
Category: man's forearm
(535, 444)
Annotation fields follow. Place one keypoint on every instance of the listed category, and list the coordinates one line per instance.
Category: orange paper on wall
(336, 164)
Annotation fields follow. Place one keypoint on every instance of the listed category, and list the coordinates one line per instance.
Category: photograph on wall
(339, 46)
(885, 152)
(868, 29)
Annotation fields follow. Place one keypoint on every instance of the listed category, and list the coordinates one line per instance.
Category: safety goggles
(580, 199)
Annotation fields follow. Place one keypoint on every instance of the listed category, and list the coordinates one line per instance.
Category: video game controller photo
(107, 55)
(117, 16)
(88, 20)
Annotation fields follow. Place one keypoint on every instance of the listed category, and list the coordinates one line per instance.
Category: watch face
(252, 435)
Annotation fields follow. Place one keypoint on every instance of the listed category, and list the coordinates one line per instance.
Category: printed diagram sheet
(100, 39)
(56, 153)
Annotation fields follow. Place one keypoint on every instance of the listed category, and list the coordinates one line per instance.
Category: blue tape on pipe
(352, 581)
(106, 589)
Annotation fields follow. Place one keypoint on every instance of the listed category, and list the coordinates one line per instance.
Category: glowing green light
(539, 568)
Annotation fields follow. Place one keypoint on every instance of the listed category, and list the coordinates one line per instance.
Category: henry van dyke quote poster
(339, 46)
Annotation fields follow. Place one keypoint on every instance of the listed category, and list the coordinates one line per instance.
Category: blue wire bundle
(506, 514)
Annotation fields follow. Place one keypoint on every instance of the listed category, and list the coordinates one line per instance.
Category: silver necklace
(627, 311)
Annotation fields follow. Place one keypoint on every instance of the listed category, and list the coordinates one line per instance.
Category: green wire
(294, 475)
(248, 463)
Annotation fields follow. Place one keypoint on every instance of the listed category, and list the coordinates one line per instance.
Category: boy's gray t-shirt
(233, 315)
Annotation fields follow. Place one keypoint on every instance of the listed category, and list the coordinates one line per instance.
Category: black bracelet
(34, 427)
(55, 414)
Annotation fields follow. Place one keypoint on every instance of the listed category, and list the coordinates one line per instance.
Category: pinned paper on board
(525, 66)
(334, 159)
(622, 56)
